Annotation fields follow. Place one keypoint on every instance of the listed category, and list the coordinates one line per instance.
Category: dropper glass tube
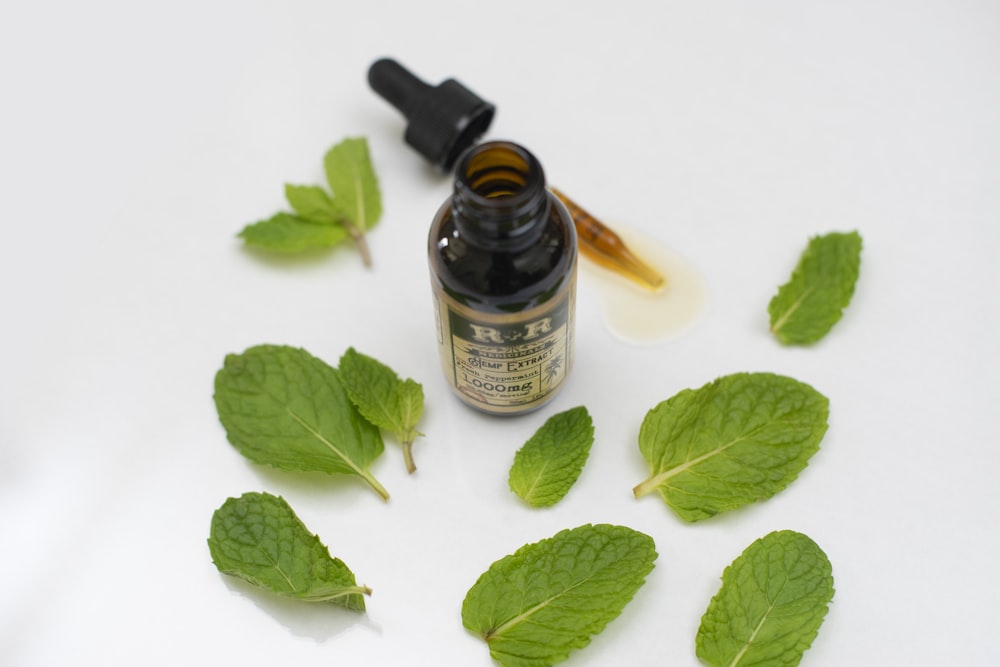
(604, 247)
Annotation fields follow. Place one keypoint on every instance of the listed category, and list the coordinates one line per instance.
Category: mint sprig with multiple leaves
(548, 598)
(734, 441)
(258, 538)
(283, 407)
(320, 219)
(772, 602)
(384, 399)
(822, 284)
(550, 462)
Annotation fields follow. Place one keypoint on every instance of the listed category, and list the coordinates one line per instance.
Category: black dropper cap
(442, 121)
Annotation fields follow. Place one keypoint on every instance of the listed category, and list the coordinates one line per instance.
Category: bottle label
(506, 363)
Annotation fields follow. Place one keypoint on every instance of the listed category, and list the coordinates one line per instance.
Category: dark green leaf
(283, 407)
(737, 440)
(548, 598)
(550, 462)
(383, 398)
(772, 602)
(257, 537)
(813, 300)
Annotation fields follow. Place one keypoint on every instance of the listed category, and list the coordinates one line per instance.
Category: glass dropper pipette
(604, 247)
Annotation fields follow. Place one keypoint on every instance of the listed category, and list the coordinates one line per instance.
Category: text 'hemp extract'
(502, 254)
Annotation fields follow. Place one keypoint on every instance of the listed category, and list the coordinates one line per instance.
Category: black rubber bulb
(441, 121)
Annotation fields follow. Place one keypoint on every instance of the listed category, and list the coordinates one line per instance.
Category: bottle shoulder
(502, 281)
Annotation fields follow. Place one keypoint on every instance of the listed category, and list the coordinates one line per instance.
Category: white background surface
(138, 139)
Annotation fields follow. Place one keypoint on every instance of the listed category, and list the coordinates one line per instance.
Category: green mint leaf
(284, 232)
(737, 440)
(322, 221)
(411, 408)
(285, 408)
(311, 203)
(550, 462)
(772, 602)
(257, 537)
(548, 598)
(352, 179)
(813, 300)
(383, 398)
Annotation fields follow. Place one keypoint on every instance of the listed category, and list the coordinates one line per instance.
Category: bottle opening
(499, 172)
(500, 190)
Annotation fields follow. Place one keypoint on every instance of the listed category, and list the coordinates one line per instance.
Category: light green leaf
(284, 232)
(311, 203)
(813, 300)
(285, 408)
(550, 462)
(772, 602)
(383, 398)
(737, 440)
(548, 598)
(258, 538)
(411, 408)
(352, 179)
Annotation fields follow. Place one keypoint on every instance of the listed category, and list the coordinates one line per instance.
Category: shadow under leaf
(318, 621)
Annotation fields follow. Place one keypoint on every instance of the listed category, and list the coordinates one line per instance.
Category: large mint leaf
(772, 602)
(822, 284)
(285, 408)
(548, 598)
(550, 462)
(737, 440)
(257, 537)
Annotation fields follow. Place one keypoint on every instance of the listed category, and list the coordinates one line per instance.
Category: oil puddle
(640, 316)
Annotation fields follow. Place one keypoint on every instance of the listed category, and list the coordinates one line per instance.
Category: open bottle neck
(500, 201)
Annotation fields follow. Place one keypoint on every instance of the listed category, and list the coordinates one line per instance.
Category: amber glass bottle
(502, 254)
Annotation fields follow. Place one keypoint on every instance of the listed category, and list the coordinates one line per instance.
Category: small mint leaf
(311, 203)
(550, 462)
(258, 538)
(770, 606)
(822, 284)
(383, 398)
(288, 233)
(352, 179)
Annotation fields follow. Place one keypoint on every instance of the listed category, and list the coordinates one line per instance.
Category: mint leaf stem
(374, 483)
(407, 443)
(360, 241)
(338, 594)
(646, 487)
